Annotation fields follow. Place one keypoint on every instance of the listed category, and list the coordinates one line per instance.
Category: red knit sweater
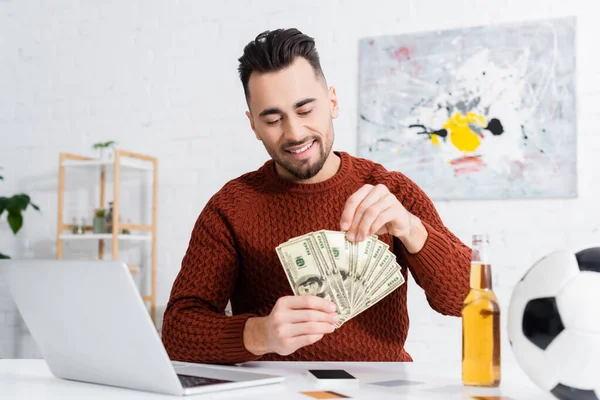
(231, 256)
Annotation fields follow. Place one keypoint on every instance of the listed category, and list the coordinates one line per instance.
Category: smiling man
(304, 187)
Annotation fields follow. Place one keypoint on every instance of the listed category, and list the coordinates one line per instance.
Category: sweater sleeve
(195, 327)
(442, 267)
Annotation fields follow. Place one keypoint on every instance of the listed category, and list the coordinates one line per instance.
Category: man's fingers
(351, 205)
(298, 321)
(383, 218)
(307, 328)
(302, 341)
(310, 302)
(298, 316)
(365, 208)
(377, 211)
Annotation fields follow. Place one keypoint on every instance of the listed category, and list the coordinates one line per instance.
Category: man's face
(291, 112)
(309, 288)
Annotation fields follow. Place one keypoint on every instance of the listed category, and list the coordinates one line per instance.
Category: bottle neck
(481, 276)
(479, 254)
(481, 270)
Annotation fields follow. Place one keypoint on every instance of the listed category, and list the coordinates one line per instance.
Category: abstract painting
(474, 113)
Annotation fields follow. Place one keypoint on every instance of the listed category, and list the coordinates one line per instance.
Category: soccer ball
(554, 324)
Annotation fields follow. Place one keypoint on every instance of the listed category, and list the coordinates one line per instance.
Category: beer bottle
(481, 322)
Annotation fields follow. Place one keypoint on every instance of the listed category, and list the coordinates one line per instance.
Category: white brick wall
(160, 78)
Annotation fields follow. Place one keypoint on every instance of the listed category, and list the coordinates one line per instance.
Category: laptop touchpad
(222, 375)
(188, 381)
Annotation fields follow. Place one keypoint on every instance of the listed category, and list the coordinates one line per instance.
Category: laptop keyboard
(188, 381)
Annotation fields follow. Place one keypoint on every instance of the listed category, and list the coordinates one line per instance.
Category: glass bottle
(77, 229)
(481, 322)
(108, 218)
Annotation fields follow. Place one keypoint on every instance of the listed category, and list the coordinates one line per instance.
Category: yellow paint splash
(460, 133)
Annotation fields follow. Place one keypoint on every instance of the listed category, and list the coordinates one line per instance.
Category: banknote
(353, 275)
(309, 273)
(392, 281)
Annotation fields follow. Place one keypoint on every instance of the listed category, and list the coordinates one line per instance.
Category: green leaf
(4, 257)
(19, 201)
(3, 204)
(1, 178)
(104, 145)
(35, 207)
(15, 220)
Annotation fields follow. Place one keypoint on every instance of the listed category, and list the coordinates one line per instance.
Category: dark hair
(273, 51)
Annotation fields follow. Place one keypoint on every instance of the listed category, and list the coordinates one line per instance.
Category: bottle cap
(481, 238)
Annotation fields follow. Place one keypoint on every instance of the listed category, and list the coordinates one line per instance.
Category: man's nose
(293, 129)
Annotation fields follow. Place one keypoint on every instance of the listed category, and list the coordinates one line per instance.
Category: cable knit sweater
(231, 256)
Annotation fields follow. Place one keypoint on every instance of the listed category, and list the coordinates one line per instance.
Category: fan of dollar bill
(354, 275)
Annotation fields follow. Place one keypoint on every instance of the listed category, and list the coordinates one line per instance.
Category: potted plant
(14, 207)
(106, 150)
(98, 225)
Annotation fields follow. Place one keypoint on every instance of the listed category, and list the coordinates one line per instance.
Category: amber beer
(481, 322)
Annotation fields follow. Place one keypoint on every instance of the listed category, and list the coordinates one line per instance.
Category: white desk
(31, 379)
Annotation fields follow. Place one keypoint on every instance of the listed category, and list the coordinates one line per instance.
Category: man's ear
(252, 124)
(333, 103)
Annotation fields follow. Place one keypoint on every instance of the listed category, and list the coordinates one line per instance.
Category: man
(306, 187)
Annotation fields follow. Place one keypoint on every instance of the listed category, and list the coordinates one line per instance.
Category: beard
(302, 169)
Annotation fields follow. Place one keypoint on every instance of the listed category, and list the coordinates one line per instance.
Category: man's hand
(373, 210)
(294, 322)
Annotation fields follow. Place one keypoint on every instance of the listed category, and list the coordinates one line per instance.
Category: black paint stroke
(443, 133)
(526, 138)
(495, 126)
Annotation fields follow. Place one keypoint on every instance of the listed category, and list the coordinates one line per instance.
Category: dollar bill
(392, 281)
(308, 274)
(338, 246)
(353, 275)
(367, 259)
(373, 277)
(363, 251)
(326, 257)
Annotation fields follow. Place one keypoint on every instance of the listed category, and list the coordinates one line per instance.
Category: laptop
(91, 325)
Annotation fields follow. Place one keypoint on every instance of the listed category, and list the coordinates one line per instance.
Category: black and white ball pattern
(554, 324)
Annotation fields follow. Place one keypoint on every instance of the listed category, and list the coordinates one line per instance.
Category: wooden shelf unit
(122, 159)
